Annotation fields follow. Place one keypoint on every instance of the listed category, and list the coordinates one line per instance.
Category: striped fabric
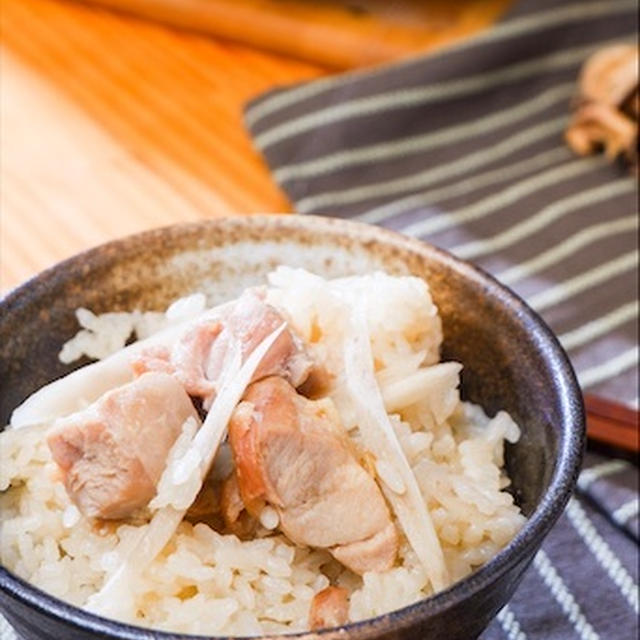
(465, 149)
(584, 582)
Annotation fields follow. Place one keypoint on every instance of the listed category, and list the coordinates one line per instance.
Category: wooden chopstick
(333, 34)
(612, 424)
(263, 26)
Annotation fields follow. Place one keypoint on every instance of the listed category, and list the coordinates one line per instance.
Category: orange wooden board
(111, 125)
(90, 100)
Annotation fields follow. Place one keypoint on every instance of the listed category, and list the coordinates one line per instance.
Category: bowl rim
(524, 544)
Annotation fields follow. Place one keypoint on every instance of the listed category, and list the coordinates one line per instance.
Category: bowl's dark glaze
(511, 360)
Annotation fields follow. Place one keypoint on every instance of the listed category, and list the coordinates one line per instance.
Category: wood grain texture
(66, 185)
(112, 125)
(334, 33)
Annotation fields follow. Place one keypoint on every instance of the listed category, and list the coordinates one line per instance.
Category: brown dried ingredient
(207, 502)
(606, 115)
(237, 519)
(598, 125)
(329, 608)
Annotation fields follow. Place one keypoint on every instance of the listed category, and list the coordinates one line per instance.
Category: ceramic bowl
(511, 361)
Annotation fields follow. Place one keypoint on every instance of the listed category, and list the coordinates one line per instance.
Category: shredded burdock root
(398, 481)
(606, 108)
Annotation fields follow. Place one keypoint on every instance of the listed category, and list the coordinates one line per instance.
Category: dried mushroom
(606, 113)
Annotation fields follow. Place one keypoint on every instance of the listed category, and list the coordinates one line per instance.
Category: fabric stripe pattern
(414, 144)
(575, 12)
(464, 149)
(592, 474)
(603, 553)
(470, 184)
(627, 511)
(563, 596)
(510, 624)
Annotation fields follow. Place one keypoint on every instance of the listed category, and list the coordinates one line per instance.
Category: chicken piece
(292, 453)
(187, 360)
(249, 323)
(329, 608)
(357, 555)
(198, 358)
(113, 453)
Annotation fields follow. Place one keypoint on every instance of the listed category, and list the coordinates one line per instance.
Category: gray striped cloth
(464, 148)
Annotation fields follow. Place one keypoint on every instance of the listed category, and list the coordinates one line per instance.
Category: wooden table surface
(111, 125)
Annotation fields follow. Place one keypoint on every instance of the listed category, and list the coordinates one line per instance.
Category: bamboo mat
(111, 125)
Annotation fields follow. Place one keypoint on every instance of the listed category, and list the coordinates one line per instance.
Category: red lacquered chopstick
(612, 424)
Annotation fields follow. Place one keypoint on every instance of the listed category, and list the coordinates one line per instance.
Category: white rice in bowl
(208, 583)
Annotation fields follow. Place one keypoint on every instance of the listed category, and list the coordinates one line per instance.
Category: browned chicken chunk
(329, 608)
(291, 453)
(113, 453)
(198, 358)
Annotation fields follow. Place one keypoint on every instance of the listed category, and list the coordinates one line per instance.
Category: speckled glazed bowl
(511, 361)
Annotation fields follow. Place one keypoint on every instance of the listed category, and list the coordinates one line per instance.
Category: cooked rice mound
(208, 583)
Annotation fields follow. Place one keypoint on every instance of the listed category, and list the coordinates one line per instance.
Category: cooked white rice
(205, 582)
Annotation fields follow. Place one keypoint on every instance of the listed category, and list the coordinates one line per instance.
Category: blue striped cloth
(465, 149)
